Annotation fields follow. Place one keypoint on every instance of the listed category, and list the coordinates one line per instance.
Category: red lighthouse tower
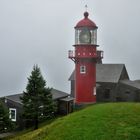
(85, 57)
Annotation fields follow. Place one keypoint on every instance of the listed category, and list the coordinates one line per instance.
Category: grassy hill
(110, 121)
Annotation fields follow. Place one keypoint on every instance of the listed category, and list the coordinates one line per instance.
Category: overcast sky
(42, 31)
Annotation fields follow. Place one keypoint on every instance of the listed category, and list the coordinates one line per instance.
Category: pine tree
(49, 107)
(36, 99)
(5, 122)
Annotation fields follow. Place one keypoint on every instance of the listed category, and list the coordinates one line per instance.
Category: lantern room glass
(88, 35)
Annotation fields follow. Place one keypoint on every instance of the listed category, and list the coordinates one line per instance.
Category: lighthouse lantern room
(85, 56)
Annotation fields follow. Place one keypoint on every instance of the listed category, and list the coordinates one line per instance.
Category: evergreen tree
(36, 99)
(49, 107)
(5, 122)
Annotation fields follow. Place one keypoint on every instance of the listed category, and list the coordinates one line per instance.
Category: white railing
(71, 54)
(100, 54)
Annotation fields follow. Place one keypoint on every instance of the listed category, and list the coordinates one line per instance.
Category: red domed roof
(86, 22)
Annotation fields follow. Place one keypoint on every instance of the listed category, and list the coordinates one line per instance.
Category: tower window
(82, 69)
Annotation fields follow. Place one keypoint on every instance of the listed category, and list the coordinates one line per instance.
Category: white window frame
(94, 91)
(82, 69)
(10, 110)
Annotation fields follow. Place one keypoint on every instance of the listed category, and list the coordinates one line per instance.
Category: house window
(12, 112)
(107, 93)
(82, 69)
(127, 92)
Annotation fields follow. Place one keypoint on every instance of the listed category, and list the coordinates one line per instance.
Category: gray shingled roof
(56, 95)
(67, 99)
(135, 84)
(15, 97)
(72, 76)
(106, 72)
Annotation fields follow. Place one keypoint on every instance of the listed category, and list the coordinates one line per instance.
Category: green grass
(110, 121)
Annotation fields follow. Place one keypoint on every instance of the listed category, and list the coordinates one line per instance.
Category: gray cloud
(41, 32)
